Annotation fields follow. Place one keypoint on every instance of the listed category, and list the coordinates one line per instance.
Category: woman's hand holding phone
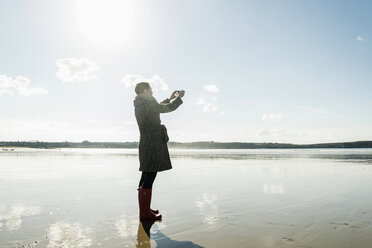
(176, 93)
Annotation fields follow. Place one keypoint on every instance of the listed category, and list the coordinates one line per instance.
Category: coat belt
(144, 129)
(162, 128)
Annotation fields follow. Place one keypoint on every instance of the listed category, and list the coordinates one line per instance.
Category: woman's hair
(140, 87)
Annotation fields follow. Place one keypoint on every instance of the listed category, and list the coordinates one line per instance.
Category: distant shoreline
(186, 145)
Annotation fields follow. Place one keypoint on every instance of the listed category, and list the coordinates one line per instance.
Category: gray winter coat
(153, 148)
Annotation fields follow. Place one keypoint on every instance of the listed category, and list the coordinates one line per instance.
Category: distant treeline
(189, 145)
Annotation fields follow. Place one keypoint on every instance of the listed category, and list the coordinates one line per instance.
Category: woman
(153, 149)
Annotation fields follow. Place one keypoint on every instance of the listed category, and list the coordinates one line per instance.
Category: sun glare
(105, 22)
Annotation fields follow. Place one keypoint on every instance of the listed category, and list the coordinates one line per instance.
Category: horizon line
(206, 141)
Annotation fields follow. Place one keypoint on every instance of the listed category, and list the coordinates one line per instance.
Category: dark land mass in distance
(187, 145)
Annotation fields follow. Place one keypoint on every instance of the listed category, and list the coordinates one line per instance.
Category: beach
(211, 198)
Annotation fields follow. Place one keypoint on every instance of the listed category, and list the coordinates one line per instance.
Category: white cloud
(76, 70)
(301, 133)
(272, 117)
(62, 234)
(281, 132)
(130, 80)
(360, 38)
(264, 132)
(317, 111)
(211, 88)
(34, 91)
(273, 132)
(210, 107)
(207, 107)
(201, 101)
(19, 85)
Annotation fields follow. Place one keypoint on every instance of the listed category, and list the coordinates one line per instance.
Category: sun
(105, 23)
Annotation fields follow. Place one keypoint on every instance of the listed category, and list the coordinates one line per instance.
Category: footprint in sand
(344, 224)
(339, 224)
(288, 239)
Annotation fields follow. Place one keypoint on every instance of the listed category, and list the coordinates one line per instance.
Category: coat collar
(144, 96)
(143, 99)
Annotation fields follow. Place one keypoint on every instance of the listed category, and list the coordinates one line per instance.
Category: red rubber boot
(144, 198)
(155, 211)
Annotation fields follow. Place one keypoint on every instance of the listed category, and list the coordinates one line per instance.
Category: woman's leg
(144, 197)
(148, 180)
(141, 180)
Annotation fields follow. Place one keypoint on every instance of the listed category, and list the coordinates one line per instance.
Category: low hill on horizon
(186, 145)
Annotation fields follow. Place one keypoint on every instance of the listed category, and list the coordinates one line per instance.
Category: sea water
(211, 198)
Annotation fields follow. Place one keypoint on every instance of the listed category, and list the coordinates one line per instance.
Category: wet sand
(211, 198)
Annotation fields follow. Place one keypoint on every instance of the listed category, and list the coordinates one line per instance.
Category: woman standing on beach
(152, 149)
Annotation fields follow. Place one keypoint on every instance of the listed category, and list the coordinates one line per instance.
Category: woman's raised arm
(167, 106)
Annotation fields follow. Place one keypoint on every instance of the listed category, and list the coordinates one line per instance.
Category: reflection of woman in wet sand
(153, 149)
(143, 238)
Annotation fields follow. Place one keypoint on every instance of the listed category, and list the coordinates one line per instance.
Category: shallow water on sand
(211, 198)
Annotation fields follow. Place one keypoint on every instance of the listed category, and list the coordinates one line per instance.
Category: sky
(253, 71)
